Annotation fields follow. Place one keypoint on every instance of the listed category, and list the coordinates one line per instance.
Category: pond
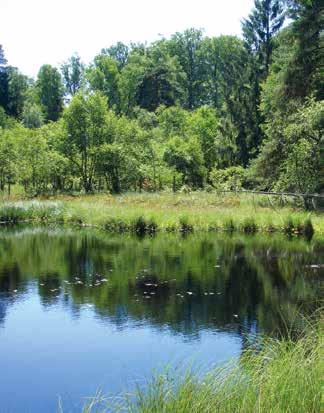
(82, 310)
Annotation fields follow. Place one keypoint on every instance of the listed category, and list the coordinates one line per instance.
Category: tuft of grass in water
(142, 226)
(289, 227)
(185, 226)
(116, 225)
(308, 229)
(298, 227)
(276, 377)
(229, 225)
(249, 226)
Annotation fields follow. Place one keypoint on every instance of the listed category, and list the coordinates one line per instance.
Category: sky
(35, 32)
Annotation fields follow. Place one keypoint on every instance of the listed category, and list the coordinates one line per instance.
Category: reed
(280, 376)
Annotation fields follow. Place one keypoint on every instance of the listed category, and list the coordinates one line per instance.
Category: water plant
(277, 376)
(249, 226)
(142, 226)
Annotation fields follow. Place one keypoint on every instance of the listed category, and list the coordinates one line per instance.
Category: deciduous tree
(50, 92)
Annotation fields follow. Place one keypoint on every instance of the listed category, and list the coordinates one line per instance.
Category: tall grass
(149, 213)
(284, 376)
(15, 212)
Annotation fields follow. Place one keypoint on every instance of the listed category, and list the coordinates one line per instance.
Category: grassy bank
(285, 376)
(148, 213)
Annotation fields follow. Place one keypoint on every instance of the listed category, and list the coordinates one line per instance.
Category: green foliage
(290, 159)
(3, 117)
(85, 122)
(13, 90)
(3, 60)
(187, 47)
(230, 179)
(273, 97)
(8, 159)
(37, 167)
(185, 112)
(234, 92)
(49, 90)
(73, 75)
(204, 125)
(119, 52)
(300, 169)
(103, 76)
(263, 23)
(32, 116)
(304, 73)
(130, 79)
(17, 89)
(187, 158)
(173, 120)
(162, 80)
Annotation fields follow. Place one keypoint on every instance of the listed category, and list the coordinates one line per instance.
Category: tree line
(186, 112)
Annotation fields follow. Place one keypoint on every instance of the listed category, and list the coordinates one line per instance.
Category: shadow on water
(183, 283)
(83, 309)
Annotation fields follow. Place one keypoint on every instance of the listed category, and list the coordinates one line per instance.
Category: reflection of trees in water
(10, 281)
(241, 284)
(10, 278)
(3, 310)
(49, 288)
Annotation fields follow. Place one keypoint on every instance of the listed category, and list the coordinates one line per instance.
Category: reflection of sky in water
(62, 334)
(49, 352)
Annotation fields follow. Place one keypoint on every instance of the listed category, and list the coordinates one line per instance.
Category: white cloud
(34, 32)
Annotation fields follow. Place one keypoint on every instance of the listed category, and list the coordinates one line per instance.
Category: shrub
(230, 179)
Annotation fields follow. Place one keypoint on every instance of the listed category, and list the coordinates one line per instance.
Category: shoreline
(152, 213)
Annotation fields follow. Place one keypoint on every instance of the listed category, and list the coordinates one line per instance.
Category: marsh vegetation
(168, 212)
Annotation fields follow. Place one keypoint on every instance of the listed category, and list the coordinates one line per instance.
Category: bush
(230, 179)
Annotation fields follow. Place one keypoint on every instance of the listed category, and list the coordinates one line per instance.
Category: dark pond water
(82, 310)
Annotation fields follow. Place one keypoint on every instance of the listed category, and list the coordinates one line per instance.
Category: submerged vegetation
(150, 213)
(279, 376)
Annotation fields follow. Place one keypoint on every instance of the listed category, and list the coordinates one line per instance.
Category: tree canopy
(189, 110)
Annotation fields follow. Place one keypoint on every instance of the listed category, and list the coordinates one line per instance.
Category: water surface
(82, 310)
